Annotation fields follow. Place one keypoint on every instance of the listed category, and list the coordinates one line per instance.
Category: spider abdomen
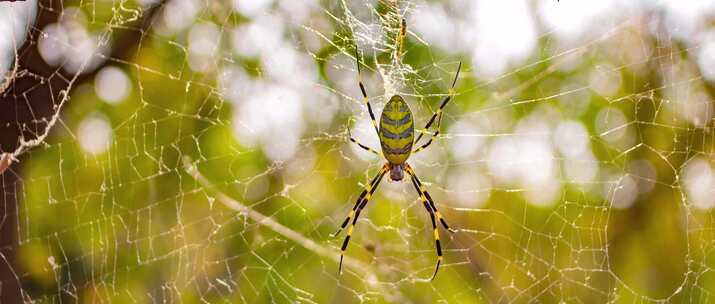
(397, 130)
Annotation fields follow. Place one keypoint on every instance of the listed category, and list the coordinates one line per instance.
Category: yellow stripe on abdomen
(396, 130)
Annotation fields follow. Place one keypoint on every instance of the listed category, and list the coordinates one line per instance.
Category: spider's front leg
(362, 200)
(433, 212)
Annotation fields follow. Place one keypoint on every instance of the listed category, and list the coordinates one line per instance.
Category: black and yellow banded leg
(401, 37)
(432, 137)
(364, 92)
(365, 147)
(359, 205)
(437, 116)
(437, 243)
(423, 192)
(369, 189)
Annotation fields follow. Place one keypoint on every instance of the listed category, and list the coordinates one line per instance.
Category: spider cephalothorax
(397, 138)
(397, 172)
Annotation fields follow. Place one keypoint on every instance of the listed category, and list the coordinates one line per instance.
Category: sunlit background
(197, 151)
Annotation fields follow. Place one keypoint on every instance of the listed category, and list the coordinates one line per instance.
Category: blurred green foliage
(130, 225)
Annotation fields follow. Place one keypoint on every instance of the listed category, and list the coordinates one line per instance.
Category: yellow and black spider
(396, 134)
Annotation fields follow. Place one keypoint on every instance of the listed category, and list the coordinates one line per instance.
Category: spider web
(196, 151)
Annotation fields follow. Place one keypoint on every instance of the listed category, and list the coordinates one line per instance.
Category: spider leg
(432, 137)
(365, 147)
(364, 93)
(434, 213)
(434, 228)
(423, 192)
(438, 114)
(359, 205)
(401, 37)
(437, 243)
(369, 189)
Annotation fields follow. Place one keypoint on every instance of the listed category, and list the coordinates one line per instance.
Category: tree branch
(271, 223)
(363, 270)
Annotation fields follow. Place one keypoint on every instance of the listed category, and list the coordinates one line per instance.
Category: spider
(396, 132)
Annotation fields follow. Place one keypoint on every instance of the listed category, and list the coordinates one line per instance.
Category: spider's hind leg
(400, 47)
(365, 99)
(438, 114)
